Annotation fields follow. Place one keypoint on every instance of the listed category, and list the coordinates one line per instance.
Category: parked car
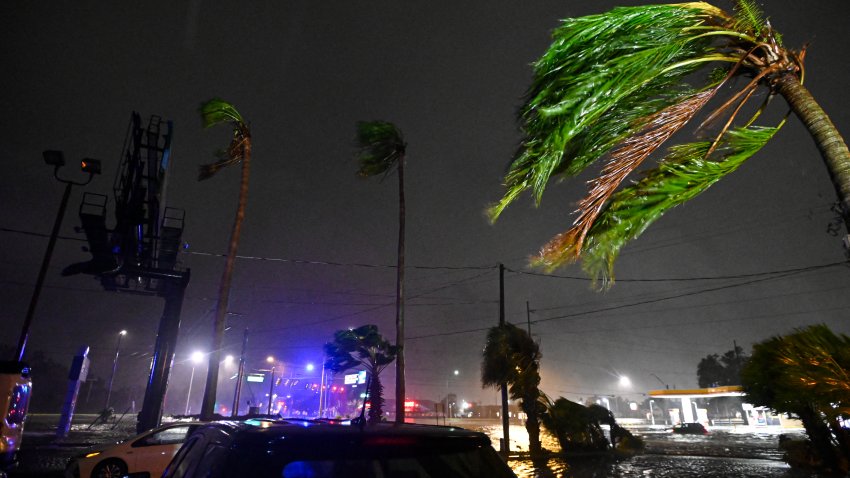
(690, 429)
(147, 453)
(326, 449)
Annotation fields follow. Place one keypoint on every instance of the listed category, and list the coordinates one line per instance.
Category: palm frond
(380, 146)
(217, 111)
(599, 82)
(631, 154)
(749, 17)
(681, 176)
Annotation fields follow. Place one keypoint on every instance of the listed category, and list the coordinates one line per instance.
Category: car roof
(264, 430)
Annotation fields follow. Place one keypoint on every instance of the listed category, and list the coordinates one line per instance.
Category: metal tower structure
(139, 254)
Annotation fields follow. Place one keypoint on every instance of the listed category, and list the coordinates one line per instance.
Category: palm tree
(382, 148)
(620, 84)
(511, 356)
(362, 347)
(215, 112)
(806, 373)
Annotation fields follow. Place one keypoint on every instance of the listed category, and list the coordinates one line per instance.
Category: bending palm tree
(511, 356)
(616, 84)
(382, 148)
(365, 347)
(215, 112)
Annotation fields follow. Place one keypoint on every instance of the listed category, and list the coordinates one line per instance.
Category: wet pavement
(721, 453)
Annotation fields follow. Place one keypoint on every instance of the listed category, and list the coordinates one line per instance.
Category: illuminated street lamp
(448, 405)
(270, 360)
(114, 367)
(57, 160)
(197, 357)
(624, 381)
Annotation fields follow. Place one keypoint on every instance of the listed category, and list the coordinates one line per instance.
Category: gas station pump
(15, 391)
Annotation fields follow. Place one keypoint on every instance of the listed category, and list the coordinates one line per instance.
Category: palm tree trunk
(829, 141)
(532, 423)
(399, 309)
(208, 404)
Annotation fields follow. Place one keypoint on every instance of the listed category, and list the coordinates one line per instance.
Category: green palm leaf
(600, 81)
(215, 112)
(681, 176)
(381, 145)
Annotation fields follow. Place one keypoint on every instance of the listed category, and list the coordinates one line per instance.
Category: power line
(447, 267)
(616, 307)
(690, 279)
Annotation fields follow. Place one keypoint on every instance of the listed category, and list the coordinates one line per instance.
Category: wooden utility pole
(506, 443)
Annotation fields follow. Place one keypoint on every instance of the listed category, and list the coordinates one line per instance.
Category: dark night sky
(450, 75)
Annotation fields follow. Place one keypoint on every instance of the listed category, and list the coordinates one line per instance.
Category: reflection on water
(654, 466)
(720, 454)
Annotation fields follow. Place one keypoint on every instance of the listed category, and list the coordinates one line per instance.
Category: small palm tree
(382, 148)
(621, 83)
(215, 112)
(511, 356)
(362, 347)
(806, 373)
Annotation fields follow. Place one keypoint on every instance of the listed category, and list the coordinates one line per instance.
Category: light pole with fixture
(270, 360)
(114, 367)
(57, 160)
(448, 405)
(197, 357)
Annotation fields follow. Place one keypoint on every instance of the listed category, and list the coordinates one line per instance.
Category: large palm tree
(511, 356)
(362, 347)
(381, 148)
(215, 112)
(621, 83)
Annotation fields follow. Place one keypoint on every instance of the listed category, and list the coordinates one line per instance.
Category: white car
(148, 452)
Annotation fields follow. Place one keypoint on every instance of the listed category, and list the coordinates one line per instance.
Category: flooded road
(720, 454)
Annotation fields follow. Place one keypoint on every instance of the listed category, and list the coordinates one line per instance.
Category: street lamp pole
(270, 360)
(197, 357)
(114, 367)
(448, 405)
(57, 160)
(322, 394)
(271, 389)
(189, 393)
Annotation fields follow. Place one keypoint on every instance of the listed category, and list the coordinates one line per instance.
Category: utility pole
(506, 444)
(236, 393)
(528, 317)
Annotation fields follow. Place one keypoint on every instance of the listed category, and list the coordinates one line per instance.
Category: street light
(57, 160)
(197, 357)
(270, 360)
(448, 405)
(114, 367)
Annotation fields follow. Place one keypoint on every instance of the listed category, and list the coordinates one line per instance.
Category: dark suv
(325, 449)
